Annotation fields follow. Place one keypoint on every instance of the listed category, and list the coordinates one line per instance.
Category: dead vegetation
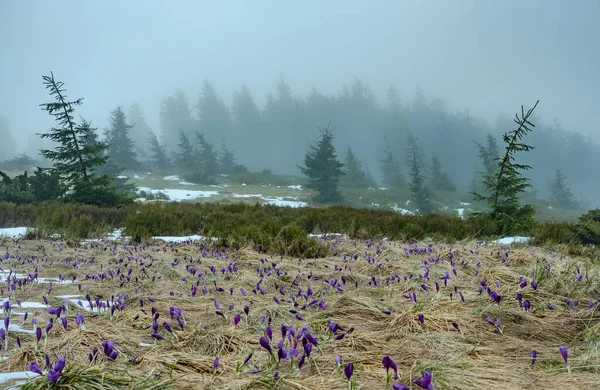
(371, 298)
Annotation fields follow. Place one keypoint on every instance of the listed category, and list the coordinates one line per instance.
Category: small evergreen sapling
(507, 182)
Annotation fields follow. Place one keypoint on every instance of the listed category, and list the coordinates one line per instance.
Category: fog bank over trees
(262, 76)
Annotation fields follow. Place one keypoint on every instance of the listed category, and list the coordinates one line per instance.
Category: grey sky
(485, 56)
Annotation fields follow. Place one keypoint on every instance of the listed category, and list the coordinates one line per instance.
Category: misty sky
(485, 56)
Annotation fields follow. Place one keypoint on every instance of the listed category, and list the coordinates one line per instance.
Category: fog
(485, 58)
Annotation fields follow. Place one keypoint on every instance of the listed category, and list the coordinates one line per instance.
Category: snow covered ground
(14, 232)
(177, 195)
(512, 240)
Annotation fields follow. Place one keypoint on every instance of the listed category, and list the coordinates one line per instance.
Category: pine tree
(440, 179)
(207, 157)
(175, 116)
(390, 169)
(158, 155)
(120, 145)
(214, 115)
(419, 190)
(109, 168)
(226, 160)
(186, 159)
(560, 194)
(507, 182)
(74, 162)
(322, 169)
(140, 131)
(354, 175)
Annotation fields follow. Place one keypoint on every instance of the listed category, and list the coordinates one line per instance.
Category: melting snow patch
(183, 238)
(172, 177)
(136, 176)
(14, 232)
(178, 195)
(186, 183)
(296, 187)
(326, 235)
(246, 195)
(461, 213)
(122, 177)
(145, 345)
(17, 328)
(465, 203)
(512, 240)
(401, 210)
(16, 375)
(285, 203)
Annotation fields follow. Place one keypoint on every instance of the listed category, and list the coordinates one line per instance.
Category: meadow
(159, 314)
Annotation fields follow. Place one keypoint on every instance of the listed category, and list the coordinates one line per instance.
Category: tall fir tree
(390, 169)
(227, 161)
(213, 114)
(207, 157)
(175, 117)
(120, 146)
(140, 131)
(507, 182)
(560, 194)
(74, 161)
(322, 169)
(159, 159)
(354, 174)
(440, 180)
(419, 190)
(249, 129)
(186, 160)
(109, 168)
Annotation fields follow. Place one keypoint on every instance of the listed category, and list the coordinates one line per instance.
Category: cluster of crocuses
(54, 371)
(288, 345)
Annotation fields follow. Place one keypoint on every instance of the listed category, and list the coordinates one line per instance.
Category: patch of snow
(178, 195)
(224, 175)
(465, 203)
(24, 305)
(285, 203)
(243, 184)
(145, 345)
(512, 240)
(383, 188)
(370, 189)
(186, 183)
(12, 327)
(296, 187)
(172, 177)
(136, 176)
(140, 199)
(375, 204)
(14, 232)
(122, 177)
(183, 238)
(326, 235)
(550, 207)
(246, 196)
(461, 213)
(401, 210)
(16, 375)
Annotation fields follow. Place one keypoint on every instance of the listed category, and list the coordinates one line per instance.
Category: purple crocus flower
(550, 306)
(338, 360)
(349, 370)
(216, 364)
(533, 355)
(269, 332)
(421, 318)
(167, 326)
(264, 342)
(425, 381)
(55, 372)
(389, 363)
(6, 322)
(34, 367)
(534, 285)
(400, 386)
(301, 361)
(38, 334)
(455, 325)
(564, 353)
(247, 358)
(527, 305)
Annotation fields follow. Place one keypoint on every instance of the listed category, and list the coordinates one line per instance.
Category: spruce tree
(322, 169)
(158, 155)
(507, 182)
(226, 160)
(74, 161)
(560, 194)
(390, 169)
(419, 190)
(440, 180)
(207, 157)
(186, 159)
(120, 145)
(354, 174)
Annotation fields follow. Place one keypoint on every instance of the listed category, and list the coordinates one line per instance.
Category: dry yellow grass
(474, 357)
